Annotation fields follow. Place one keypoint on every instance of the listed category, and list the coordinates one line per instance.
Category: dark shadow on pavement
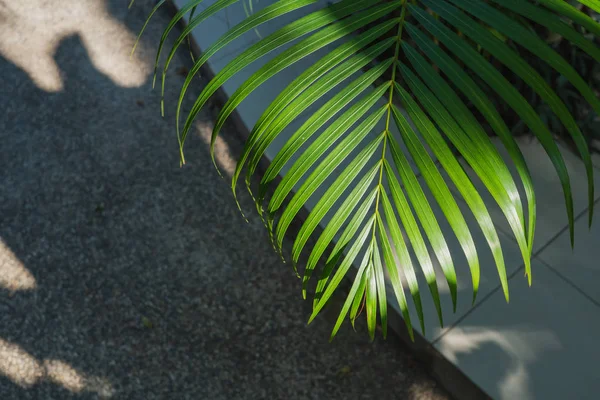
(149, 284)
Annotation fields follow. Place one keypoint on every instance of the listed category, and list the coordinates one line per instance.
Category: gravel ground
(124, 276)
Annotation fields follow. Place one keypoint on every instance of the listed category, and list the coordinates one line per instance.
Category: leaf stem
(389, 111)
(395, 65)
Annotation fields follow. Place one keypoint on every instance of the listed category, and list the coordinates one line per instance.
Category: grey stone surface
(124, 276)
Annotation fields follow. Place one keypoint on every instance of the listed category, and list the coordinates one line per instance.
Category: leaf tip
(411, 333)
(239, 206)
(572, 235)
(453, 295)
(214, 161)
(372, 336)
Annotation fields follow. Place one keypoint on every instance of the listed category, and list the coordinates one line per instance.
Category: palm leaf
(399, 100)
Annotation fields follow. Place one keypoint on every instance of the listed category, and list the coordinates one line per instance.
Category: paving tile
(579, 265)
(218, 24)
(489, 275)
(211, 29)
(596, 161)
(551, 210)
(275, 24)
(543, 345)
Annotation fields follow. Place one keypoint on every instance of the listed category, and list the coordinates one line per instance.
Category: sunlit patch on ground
(25, 370)
(30, 32)
(18, 365)
(225, 160)
(522, 346)
(13, 274)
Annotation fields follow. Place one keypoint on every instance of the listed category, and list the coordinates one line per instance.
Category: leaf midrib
(388, 117)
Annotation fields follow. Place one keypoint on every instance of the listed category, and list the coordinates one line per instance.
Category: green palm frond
(396, 83)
